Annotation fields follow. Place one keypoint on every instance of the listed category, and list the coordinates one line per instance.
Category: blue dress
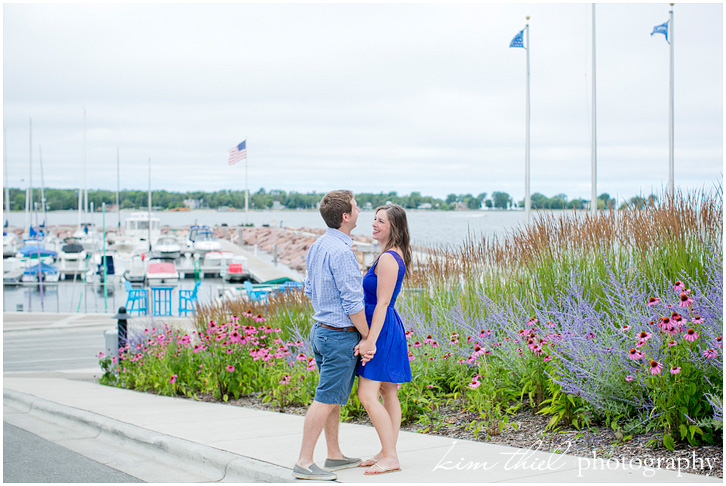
(390, 363)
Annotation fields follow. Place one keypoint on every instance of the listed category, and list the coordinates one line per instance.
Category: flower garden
(613, 319)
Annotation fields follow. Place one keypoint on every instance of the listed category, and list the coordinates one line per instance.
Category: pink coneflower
(101, 355)
(710, 353)
(652, 300)
(655, 367)
(485, 333)
(634, 354)
(697, 319)
(411, 357)
(719, 341)
(644, 336)
(285, 380)
(625, 328)
(686, 301)
(675, 370)
(430, 386)
(229, 368)
(690, 335)
(548, 358)
(629, 378)
(172, 380)
(429, 339)
(671, 343)
(301, 357)
(678, 286)
(417, 344)
(474, 384)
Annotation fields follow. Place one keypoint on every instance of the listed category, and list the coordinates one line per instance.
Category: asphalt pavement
(148, 437)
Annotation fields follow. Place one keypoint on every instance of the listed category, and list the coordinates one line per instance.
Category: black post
(122, 326)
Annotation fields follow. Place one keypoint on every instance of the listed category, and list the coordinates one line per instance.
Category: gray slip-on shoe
(338, 464)
(314, 472)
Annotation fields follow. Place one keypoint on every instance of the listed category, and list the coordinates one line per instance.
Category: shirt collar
(341, 236)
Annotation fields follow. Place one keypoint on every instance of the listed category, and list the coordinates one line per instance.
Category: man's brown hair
(333, 205)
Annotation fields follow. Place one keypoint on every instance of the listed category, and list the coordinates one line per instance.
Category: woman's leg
(368, 393)
(389, 393)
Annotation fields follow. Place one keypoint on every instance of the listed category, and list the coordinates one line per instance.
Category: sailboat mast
(118, 205)
(42, 185)
(149, 225)
(5, 164)
(593, 197)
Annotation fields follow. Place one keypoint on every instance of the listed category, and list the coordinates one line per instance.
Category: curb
(224, 465)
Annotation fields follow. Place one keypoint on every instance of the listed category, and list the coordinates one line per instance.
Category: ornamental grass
(611, 319)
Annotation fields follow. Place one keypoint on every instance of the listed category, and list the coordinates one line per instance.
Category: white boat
(33, 250)
(48, 273)
(201, 240)
(11, 244)
(136, 272)
(237, 270)
(217, 259)
(89, 238)
(72, 258)
(103, 275)
(167, 247)
(161, 272)
(141, 230)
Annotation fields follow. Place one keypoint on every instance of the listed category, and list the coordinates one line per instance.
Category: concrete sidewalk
(218, 442)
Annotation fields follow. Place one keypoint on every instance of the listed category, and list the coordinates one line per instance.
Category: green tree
(501, 199)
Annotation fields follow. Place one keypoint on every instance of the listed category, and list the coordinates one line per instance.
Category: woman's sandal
(381, 470)
(367, 462)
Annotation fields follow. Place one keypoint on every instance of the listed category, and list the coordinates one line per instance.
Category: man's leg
(318, 417)
(331, 434)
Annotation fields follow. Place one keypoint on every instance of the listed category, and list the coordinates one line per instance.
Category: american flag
(238, 152)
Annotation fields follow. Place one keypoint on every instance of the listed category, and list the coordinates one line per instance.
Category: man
(334, 286)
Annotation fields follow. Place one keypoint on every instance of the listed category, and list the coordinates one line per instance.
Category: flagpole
(247, 190)
(30, 179)
(149, 225)
(118, 204)
(593, 199)
(527, 200)
(671, 188)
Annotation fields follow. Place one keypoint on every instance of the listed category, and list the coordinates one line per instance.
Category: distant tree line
(67, 199)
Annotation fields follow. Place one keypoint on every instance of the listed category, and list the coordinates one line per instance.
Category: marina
(226, 259)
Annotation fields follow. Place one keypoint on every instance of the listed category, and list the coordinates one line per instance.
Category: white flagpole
(29, 199)
(247, 189)
(527, 200)
(118, 203)
(671, 188)
(593, 197)
(5, 164)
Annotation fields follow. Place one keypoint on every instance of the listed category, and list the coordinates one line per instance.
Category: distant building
(368, 205)
(425, 206)
(277, 205)
(193, 203)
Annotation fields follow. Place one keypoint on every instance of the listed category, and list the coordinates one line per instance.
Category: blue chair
(136, 300)
(161, 296)
(188, 299)
(255, 295)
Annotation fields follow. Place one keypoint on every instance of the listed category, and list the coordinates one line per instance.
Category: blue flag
(661, 29)
(518, 40)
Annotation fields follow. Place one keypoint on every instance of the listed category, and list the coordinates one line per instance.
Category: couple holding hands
(357, 331)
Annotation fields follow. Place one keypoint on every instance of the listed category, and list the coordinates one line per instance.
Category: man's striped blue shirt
(334, 283)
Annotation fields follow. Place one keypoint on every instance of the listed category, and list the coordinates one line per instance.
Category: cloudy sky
(371, 97)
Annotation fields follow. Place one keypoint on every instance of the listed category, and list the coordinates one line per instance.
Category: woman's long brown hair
(399, 232)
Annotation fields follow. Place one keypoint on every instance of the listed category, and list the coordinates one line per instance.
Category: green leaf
(668, 442)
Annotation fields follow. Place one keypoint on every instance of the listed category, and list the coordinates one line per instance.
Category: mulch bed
(526, 430)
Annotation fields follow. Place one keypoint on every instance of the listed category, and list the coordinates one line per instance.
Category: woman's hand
(366, 350)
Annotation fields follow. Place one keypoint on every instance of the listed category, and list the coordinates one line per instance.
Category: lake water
(431, 228)
(426, 227)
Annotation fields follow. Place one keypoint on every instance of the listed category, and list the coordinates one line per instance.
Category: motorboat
(103, 274)
(136, 273)
(34, 250)
(40, 271)
(142, 229)
(11, 244)
(201, 240)
(167, 247)
(161, 272)
(72, 258)
(90, 239)
(237, 270)
(217, 259)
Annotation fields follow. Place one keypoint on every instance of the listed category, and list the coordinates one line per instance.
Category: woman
(389, 366)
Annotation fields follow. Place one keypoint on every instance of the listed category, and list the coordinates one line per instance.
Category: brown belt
(346, 329)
